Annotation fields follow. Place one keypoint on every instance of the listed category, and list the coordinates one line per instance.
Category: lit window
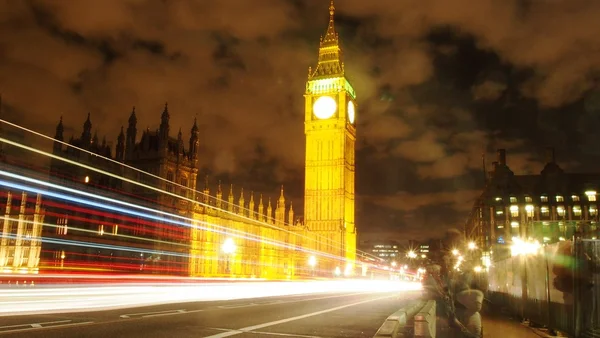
(514, 210)
(544, 199)
(498, 199)
(513, 199)
(560, 198)
(528, 199)
(529, 209)
(545, 211)
(499, 212)
(514, 224)
(101, 229)
(593, 211)
(62, 226)
(575, 198)
(86, 179)
(560, 211)
(577, 210)
(115, 229)
(591, 195)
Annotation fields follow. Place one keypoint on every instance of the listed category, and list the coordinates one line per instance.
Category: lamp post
(229, 248)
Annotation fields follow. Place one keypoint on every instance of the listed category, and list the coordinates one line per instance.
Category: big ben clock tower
(330, 113)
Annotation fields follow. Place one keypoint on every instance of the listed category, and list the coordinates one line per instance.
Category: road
(347, 314)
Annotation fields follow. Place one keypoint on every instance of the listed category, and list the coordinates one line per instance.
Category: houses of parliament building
(194, 230)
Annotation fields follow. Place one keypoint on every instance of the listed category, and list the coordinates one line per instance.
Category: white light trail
(31, 180)
(17, 301)
(188, 221)
(321, 238)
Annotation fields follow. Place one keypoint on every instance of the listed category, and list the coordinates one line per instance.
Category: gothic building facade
(20, 244)
(192, 232)
(219, 235)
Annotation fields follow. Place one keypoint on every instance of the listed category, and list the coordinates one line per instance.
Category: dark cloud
(439, 82)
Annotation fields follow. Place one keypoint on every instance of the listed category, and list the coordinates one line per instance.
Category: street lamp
(348, 270)
(312, 261)
(472, 246)
(411, 254)
(337, 271)
(229, 248)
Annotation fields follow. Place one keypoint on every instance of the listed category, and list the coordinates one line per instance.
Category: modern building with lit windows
(385, 250)
(547, 207)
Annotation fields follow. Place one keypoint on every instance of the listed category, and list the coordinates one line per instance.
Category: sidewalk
(500, 325)
(495, 325)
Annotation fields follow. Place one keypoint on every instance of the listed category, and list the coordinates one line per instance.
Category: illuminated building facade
(330, 113)
(244, 238)
(20, 244)
(240, 235)
(547, 207)
(169, 158)
(231, 236)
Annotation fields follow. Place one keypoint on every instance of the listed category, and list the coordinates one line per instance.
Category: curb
(394, 324)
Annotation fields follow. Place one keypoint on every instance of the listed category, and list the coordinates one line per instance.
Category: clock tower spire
(330, 112)
(330, 53)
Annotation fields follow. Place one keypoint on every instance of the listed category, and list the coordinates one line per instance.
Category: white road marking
(266, 333)
(227, 307)
(44, 327)
(235, 306)
(178, 312)
(283, 334)
(291, 319)
(142, 314)
(34, 324)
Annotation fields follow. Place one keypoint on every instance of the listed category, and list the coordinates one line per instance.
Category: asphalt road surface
(314, 315)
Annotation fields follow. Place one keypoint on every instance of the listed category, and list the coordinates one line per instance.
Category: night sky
(439, 83)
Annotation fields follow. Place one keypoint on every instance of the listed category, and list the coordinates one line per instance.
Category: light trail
(189, 221)
(150, 187)
(18, 301)
(125, 179)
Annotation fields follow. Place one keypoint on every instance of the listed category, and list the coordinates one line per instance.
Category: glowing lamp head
(312, 261)
(324, 107)
(351, 112)
(229, 246)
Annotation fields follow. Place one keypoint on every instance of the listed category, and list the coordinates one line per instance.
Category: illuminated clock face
(324, 107)
(351, 112)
